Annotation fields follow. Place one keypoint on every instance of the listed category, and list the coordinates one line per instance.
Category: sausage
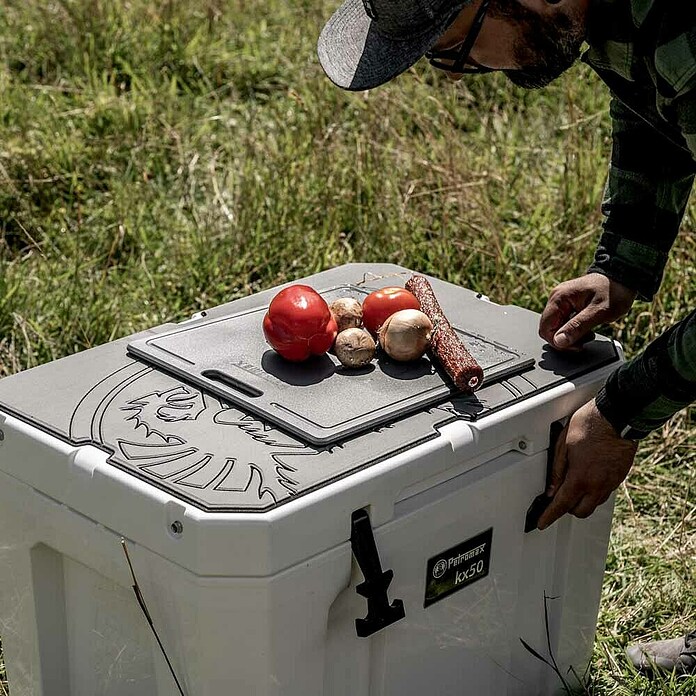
(446, 345)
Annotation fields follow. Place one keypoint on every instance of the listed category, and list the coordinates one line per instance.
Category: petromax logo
(440, 568)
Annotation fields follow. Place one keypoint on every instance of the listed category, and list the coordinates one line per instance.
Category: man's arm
(645, 198)
(592, 458)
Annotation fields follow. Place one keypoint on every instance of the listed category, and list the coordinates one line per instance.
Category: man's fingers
(577, 306)
(561, 305)
(585, 507)
(598, 460)
(603, 498)
(577, 327)
(580, 343)
(552, 318)
(566, 499)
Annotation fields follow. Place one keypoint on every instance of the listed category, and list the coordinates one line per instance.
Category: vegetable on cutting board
(407, 321)
(405, 335)
(299, 323)
(379, 305)
(347, 312)
(354, 348)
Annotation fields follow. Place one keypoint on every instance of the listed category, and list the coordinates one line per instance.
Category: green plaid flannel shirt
(645, 51)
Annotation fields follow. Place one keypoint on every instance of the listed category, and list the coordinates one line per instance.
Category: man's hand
(575, 307)
(590, 462)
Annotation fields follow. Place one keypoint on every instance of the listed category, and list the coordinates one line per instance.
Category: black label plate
(456, 568)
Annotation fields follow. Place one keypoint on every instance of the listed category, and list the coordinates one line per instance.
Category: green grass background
(158, 158)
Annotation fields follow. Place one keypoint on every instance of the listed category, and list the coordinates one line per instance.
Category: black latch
(380, 613)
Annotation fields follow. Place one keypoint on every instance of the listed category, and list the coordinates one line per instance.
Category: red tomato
(299, 323)
(379, 305)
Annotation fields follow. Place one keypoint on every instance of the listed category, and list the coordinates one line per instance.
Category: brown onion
(405, 335)
(354, 347)
(347, 312)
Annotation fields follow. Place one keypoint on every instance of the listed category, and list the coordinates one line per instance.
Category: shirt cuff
(626, 396)
(615, 415)
(637, 266)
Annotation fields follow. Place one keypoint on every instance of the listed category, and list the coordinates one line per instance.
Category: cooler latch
(380, 613)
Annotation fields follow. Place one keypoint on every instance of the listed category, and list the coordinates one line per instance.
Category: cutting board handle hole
(229, 381)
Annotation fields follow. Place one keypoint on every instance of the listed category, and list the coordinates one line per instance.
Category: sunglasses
(457, 60)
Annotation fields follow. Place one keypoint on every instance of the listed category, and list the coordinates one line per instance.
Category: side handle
(542, 501)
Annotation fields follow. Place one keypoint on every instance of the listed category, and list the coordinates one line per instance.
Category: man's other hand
(590, 461)
(577, 306)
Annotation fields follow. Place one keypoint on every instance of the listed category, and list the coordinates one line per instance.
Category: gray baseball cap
(369, 42)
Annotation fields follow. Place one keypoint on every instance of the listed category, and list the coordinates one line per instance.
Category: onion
(405, 335)
(354, 347)
(347, 312)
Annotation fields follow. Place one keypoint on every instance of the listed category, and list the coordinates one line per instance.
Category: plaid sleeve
(647, 190)
(647, 391)
(645, 206)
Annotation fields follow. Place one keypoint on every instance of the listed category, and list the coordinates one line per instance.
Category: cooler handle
(542, 501)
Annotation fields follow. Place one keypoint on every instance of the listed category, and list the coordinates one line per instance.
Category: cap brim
(356, 56)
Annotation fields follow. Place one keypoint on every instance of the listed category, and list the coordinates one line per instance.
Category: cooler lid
(318, 400)
(204, 449)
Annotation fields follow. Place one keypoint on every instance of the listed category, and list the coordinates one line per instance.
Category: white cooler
(238, 484)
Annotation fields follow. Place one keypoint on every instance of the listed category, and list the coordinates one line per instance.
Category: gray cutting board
(318, 400)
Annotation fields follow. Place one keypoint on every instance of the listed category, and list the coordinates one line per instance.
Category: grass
(3, 682)
(160, 158)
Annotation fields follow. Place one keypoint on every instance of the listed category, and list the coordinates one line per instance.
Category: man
(645, 51)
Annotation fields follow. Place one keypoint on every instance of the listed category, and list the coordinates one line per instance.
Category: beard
(551, 44)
